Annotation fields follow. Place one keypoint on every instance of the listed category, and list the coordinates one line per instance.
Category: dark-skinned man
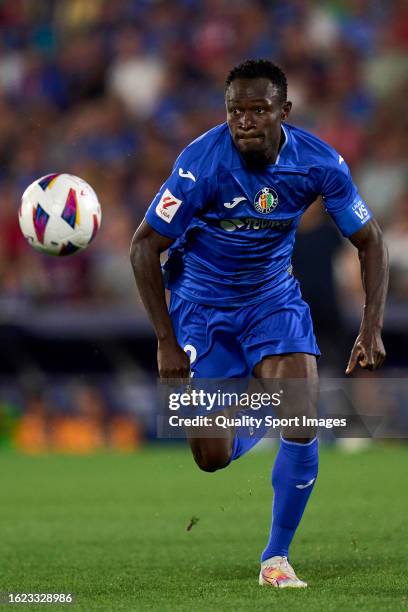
(228, 215)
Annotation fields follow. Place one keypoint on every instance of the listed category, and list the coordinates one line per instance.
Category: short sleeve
(183, 195)
(342, 200)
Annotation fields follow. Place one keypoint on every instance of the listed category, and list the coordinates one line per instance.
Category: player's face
(255, 112)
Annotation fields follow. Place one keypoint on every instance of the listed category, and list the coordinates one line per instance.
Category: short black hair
(260, 69)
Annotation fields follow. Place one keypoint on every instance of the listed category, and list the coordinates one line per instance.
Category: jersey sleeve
(342, 200)
(181, 197)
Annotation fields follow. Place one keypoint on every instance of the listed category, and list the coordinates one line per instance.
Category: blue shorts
(228, 342)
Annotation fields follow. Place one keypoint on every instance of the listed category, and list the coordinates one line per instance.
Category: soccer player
(228, 215)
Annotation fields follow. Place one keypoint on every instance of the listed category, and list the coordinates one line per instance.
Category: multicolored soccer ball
(59, 214)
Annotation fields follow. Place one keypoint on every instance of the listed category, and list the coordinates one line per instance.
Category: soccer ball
(59, 214)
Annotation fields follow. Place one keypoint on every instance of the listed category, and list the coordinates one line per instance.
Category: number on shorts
(192, 352)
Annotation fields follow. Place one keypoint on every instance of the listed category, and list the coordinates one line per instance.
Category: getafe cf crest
(266, 200)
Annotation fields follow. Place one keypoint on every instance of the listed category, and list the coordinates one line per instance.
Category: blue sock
(293, 479)
(246, 437)
(242, 444)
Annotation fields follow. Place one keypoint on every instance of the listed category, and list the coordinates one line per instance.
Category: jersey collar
(282, 147)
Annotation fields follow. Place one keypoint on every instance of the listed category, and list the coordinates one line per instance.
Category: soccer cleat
(278, 572)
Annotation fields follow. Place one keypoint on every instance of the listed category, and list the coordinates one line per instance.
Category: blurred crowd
(73, 415)
(112, 90)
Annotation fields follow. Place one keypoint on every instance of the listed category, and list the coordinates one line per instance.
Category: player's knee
(210, 460)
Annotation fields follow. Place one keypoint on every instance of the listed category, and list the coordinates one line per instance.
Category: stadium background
(112, 91)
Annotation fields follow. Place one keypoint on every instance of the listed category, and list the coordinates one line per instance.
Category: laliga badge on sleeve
(168, 206)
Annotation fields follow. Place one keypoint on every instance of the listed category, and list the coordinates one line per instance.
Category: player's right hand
(172, 361)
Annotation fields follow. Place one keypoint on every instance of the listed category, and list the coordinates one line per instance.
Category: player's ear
(286, 108)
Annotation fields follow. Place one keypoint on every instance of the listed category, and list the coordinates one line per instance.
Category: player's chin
(254, 156)
(250, 143)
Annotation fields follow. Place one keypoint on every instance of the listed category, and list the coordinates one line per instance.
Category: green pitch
(113, 530)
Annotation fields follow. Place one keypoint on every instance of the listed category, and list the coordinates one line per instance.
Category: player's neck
(276, 148)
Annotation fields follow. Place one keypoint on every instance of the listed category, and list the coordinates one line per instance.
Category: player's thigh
(289, 365)
(294, 376)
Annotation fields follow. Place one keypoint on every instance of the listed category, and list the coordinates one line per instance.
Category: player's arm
(145, 250)
(355, 221)
(368, 350)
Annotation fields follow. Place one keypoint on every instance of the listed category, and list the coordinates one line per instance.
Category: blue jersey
(234, 228)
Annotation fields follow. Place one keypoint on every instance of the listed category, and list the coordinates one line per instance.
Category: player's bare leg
(213, 446)
(300, 398)
(215, 452)
(211, 453)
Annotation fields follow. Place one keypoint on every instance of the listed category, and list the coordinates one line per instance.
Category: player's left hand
(368, 351)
